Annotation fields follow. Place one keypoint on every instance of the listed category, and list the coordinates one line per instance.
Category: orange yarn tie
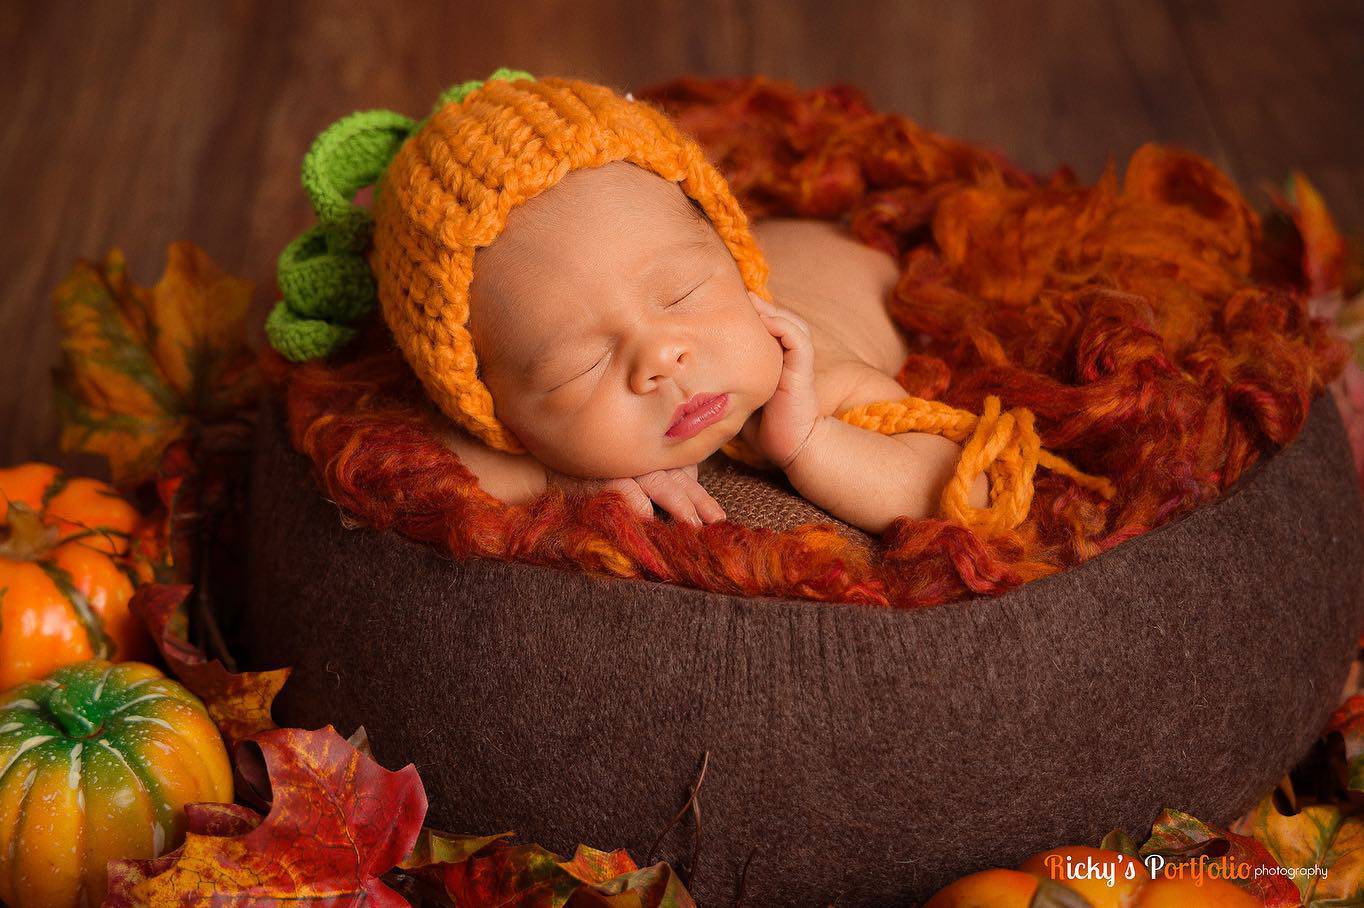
(1004, 444)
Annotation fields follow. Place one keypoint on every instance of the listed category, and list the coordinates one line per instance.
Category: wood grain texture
(137, 124)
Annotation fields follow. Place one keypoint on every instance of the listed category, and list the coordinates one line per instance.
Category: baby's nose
(661, 359)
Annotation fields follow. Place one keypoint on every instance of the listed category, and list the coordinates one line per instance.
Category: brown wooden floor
(139, 123)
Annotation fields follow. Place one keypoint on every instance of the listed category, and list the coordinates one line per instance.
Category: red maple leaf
(239, 702)
(337, 822)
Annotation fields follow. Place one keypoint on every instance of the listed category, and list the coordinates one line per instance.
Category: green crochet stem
(324, 278)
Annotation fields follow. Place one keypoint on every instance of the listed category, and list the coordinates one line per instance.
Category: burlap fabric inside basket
(766, 499)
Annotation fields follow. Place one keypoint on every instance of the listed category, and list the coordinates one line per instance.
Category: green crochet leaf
(319, 283)
(301, 339)
(458, 92)
(348, 155)
(323, 276)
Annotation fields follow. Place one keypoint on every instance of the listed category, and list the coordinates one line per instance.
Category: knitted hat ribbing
(452, 184)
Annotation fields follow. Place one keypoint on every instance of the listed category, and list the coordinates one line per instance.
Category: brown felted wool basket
(864, 756)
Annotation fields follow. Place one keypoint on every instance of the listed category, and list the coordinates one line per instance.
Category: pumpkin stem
(68, 715)
(24, 536)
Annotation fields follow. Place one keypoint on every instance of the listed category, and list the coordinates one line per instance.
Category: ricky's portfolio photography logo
(1125, 870)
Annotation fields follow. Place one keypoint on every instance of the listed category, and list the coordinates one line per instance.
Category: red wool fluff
(1157, 336)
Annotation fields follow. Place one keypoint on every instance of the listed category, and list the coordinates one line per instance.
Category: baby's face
(606, 301)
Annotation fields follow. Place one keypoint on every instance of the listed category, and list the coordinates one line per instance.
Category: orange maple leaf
(239, 702)
(140, 367)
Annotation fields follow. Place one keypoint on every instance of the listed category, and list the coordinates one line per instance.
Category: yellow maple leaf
(141, 367)
(1323, 844)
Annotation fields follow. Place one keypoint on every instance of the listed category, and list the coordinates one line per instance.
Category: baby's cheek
(772, 360)
(603, 435)
(752, 356)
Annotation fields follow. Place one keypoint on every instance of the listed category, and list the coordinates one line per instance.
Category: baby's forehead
(615, 193)
(608, 226)
(605, 220)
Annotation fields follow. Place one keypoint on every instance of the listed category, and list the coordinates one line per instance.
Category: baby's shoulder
(512, 478)
(825, 250)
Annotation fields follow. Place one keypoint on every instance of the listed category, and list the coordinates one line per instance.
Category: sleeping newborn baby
(622, 348)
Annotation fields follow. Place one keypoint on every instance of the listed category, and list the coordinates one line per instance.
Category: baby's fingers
(635, 496)
(706, 506)
(771, 313)
(797, 347)
(667, 489)
(798, 363)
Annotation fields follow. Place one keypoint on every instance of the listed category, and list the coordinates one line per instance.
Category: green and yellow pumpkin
(64, 585)
(97, 761)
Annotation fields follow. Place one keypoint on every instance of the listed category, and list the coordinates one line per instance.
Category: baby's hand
(675, 490)
(783, 424)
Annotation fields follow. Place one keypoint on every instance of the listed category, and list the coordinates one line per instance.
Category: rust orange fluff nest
(1142, 320)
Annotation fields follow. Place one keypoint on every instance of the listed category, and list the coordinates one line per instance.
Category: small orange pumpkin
(64, 584)
(1001, 888)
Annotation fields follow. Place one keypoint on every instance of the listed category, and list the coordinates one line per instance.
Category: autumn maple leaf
(140, 367)
(337, 822)
(1176, 835)
(485, 872)
(239, 702)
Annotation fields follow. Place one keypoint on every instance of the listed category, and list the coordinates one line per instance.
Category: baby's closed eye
(589, 365)
(576, 373)
(687, 294)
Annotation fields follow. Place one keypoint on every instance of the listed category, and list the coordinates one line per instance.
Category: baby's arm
(868, 479)
(862, 477)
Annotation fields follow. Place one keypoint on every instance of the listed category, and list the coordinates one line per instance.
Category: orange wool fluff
(1143, 320)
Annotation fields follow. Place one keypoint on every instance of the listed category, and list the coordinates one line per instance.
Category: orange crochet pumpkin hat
(444, 188)
(451, 185)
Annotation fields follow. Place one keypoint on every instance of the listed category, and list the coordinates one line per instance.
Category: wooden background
(139, 123)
